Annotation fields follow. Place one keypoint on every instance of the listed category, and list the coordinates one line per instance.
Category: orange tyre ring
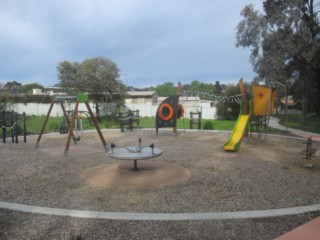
(162, 108)
(180, 111)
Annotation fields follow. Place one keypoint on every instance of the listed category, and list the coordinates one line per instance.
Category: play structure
(309, 159)
(169, 111)
(64, 126)
(129, 120)
(195, 120)
(172, 108)
(254, 113)
(15, 123)
(80, 98)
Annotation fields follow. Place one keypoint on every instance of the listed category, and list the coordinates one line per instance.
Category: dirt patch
(123, 176)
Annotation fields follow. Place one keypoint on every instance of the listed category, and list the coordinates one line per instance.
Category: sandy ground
(194, 174)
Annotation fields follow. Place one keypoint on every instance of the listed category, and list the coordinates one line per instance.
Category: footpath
(310, 230)
(274, 122)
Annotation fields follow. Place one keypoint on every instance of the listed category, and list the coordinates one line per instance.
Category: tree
(13, 87)
(197, 86)
(166, 90)
(67, 74)
(27, 88)
(218, 88)
(98, 76)
(229, 109)
(285, 45)
(5, 102)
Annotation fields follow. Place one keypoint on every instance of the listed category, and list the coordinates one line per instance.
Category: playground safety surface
(263, 174)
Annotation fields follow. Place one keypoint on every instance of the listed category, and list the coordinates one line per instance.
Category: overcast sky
(151, 41)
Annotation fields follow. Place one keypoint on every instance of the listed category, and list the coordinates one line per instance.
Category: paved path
(308, 231)
(274, 122)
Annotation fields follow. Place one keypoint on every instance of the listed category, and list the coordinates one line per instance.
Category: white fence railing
(41, 109)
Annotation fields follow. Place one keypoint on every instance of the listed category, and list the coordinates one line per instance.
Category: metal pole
(24, 127)
(286, 108)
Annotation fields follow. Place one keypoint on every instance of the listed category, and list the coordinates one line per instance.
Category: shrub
(208, 125)
(77, 236)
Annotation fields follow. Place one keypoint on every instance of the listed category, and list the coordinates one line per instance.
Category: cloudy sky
(151, 41)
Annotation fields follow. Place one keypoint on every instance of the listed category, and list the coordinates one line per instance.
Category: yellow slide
(235, 139)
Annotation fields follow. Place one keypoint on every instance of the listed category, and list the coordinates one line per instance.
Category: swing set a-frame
(80, 98)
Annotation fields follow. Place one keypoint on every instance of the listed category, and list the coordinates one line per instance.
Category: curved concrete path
(160, 216)
(274, 122)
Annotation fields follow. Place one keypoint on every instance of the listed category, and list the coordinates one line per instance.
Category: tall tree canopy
(98, 76)
(285, 45)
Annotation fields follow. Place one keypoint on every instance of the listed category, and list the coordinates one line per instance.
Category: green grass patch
(295, 121)
(34, 124)
(148, 122)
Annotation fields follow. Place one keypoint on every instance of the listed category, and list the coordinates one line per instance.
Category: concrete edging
(160, 216)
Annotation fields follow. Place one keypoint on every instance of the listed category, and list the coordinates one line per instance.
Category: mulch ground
(263, 174)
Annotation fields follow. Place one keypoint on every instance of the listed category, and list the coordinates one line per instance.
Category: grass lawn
(147, 122)
(295, 121)
(34, 124)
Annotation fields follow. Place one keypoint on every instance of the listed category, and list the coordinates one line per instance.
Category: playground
(162, 175)
(194, 174)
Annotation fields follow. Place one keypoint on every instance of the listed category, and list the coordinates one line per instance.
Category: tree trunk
(305, 107)
(318, 93)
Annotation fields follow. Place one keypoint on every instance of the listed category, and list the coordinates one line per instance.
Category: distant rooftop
(141, 93)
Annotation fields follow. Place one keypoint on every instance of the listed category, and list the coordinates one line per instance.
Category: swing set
(80, 98)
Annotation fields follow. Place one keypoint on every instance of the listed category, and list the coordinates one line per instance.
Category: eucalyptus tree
(285, 45)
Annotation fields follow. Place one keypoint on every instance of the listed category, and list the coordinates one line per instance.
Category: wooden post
(70, 131)
(97, 126)
(44, 124)
(67, 119)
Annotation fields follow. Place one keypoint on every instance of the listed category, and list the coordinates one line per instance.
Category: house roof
(141, 93)
(184, 98)
(291, 101)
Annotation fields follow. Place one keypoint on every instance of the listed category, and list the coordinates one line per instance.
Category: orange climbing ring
(180, 111)
(165, 111)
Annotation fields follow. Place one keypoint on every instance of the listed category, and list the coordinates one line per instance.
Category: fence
(145, 110)
(15, 122)
(41, 109)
